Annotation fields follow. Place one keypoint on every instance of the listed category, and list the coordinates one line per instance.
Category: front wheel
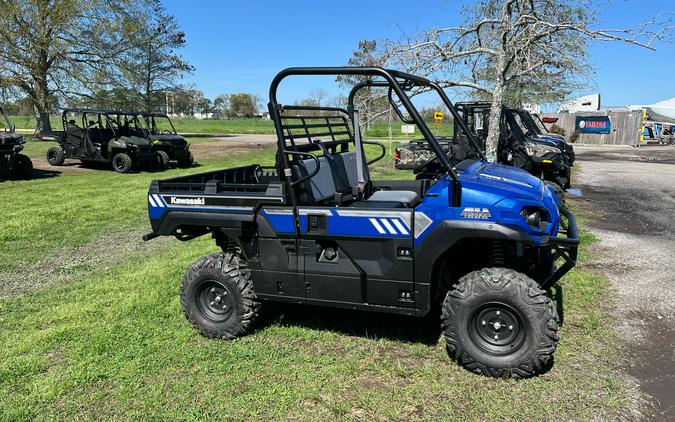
(160, 161)
(186, 160)
(217, 296)
(122, 163)
(499, 323)
(23, 167)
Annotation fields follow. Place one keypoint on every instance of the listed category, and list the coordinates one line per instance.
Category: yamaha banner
(593, 124)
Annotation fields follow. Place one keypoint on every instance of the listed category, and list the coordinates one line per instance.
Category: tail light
(397, 157)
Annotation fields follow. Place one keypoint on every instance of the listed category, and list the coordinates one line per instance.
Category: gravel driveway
(629, 198)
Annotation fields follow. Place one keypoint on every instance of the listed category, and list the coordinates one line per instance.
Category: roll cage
(528, 121)
(150, 121)
(337, 126)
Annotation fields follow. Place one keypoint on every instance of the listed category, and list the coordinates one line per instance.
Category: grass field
(110, 342)
(245, 126)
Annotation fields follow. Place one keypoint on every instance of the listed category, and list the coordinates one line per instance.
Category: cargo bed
(221, 198)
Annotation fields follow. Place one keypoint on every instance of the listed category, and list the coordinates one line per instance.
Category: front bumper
(565, 246)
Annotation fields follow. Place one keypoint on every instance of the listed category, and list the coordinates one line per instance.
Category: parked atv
(533, 131)
(540, 156)
(102, 136)
(167, 143)
(13, 164)
(483, 243)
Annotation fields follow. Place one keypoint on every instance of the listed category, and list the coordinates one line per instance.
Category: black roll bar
(439, 91)
(391, 76)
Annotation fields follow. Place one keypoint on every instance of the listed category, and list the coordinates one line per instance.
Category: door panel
(281, 268)
(358, 256)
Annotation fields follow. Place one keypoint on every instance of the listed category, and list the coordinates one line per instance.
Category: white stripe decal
(388, 226)
(377, 226)
(152, 201)
(399, 226)
(159, 200)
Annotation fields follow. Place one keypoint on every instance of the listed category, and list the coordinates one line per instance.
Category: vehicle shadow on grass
(371, 325)
(45, 174)
(35, 175)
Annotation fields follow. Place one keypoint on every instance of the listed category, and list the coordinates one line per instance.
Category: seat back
(344, 164)
(318, 188)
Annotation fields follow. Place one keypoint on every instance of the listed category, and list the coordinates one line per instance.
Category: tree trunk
(41, 101)
(148, 81)
(492, 141)
(43, 123)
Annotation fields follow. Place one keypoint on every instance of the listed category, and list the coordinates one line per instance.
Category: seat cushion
(405, 197)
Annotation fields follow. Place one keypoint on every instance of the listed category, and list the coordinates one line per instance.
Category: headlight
(535, 218)
(536, 150)
(130, 145)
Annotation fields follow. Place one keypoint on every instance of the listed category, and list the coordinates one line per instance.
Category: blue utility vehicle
(484, 243)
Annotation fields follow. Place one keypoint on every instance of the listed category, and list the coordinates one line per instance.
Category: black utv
(540, 156)
(102, 136)
(534, 131)
(168, 144)
(13, 165)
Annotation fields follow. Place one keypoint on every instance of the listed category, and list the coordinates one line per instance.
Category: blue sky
(238, 46)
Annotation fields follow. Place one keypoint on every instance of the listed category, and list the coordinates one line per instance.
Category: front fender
(449, 232)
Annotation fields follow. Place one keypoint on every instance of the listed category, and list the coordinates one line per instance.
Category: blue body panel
(494, 192)
(490, 192)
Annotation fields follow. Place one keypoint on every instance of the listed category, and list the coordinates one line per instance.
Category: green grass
(248, 126)
(114, 344)
(70, 209)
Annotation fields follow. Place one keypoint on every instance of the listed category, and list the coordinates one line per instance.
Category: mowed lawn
(113, 344)
(380, 129)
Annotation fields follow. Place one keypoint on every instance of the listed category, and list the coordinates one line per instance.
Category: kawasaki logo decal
(174, 200)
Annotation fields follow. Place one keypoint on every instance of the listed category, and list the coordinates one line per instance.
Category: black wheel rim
(215, 301)
(497, 328)
(119, 164)
(51, 156)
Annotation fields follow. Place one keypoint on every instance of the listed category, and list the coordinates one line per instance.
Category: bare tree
(515, 44)
(371, 102)
(154, 65)
(318, 95)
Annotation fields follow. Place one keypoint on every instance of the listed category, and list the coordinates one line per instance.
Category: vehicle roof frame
(394, 79)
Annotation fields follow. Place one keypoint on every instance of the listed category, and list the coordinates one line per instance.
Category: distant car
(547, 157)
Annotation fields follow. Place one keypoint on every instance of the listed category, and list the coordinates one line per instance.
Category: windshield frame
(150, 117)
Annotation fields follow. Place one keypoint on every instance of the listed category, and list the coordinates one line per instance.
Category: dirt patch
(69, 166)
(628, 199)
(70, 263)
(214, 149)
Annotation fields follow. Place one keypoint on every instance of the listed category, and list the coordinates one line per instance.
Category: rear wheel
(22, 168)
(186, 160)
(498, 322)
(217, 296)
(122, 163)
(55, 156)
